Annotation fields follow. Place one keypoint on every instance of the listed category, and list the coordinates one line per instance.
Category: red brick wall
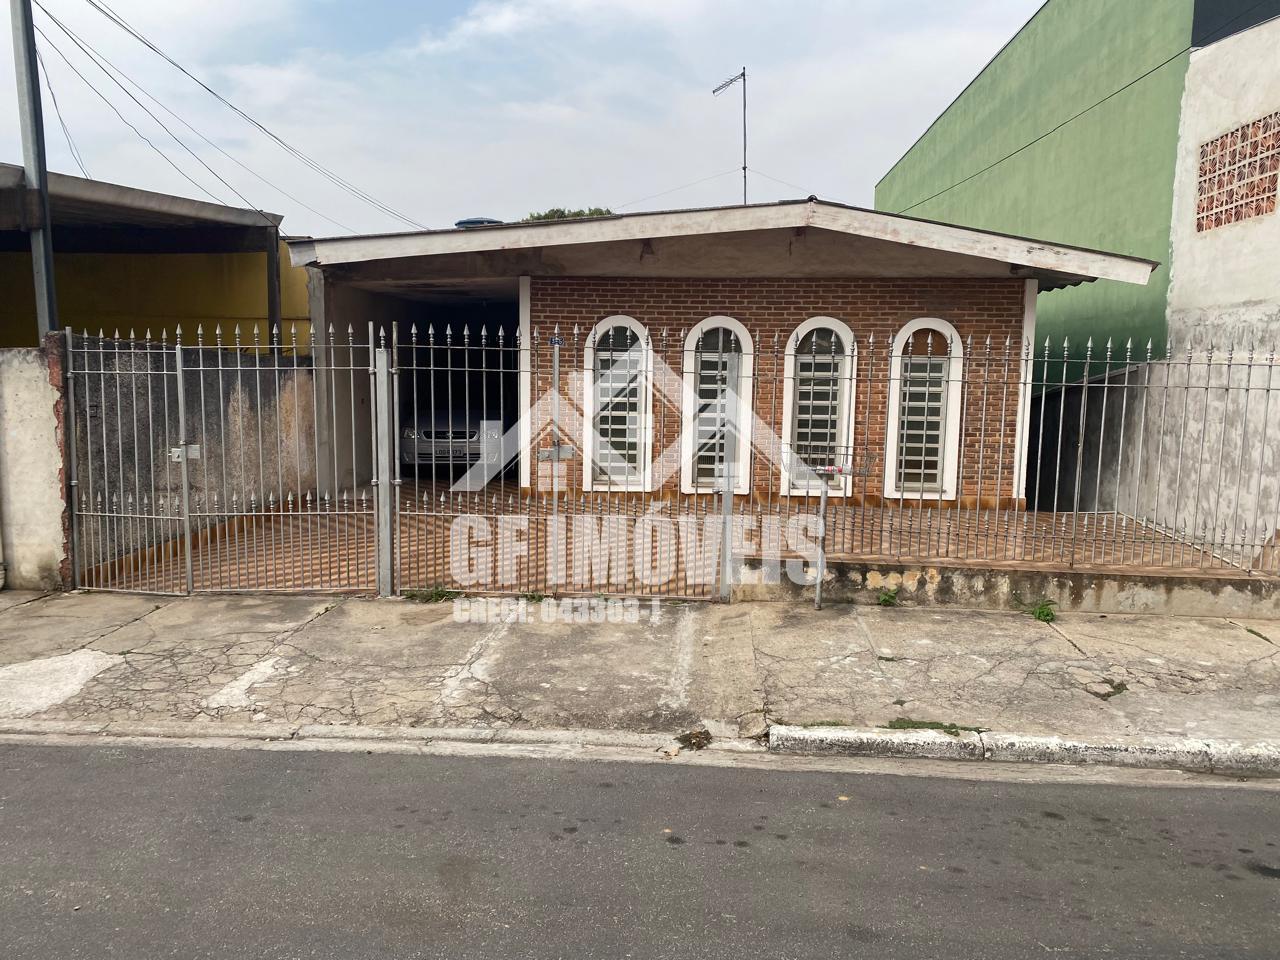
(771, 309)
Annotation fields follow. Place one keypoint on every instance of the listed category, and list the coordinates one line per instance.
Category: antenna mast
(741, 75)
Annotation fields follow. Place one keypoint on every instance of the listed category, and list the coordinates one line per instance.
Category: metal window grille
(617, 419)
(818, 414)
(922, 418)
(712, 370)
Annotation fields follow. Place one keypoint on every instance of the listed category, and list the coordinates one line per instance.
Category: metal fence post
(73, 482)
(182, 469)
(556, 341)
(730, 394)
(384, 467)
(822, 544)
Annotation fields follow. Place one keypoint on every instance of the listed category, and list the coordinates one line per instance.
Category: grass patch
(951, 729)
(432, 595)
(533, 596)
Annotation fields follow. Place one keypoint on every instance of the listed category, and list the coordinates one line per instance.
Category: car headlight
(409, 433)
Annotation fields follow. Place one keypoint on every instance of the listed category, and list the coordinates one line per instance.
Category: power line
(145, 139)
(654, 196)
(100, 60)
(92, 55)
(315, 165)
(1114, 93)
(66, 132)
(785, 183)
(796, 186)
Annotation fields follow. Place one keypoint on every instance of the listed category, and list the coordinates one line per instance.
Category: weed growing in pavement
(532, 596)
(888, 598)
(436, 594)
(951, 729)
(1041, 609)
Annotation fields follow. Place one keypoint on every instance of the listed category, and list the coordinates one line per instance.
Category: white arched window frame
(950, 396)
(690, 403)
(794, 479)
(597, 342)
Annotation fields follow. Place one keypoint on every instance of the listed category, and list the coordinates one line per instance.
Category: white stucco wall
(1225, 283)
(1220, 472)
(31, 494)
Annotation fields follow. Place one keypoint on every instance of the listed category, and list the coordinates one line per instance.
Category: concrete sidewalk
(231, 661)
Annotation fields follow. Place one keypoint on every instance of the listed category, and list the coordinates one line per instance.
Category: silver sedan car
(447, 439)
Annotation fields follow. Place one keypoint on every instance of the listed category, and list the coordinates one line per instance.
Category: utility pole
(740, 76)
(36, 207)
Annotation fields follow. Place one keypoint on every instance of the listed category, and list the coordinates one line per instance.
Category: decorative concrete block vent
(1238, 174)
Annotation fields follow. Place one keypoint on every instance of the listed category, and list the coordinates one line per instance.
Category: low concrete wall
(1009, 589)
(32, 505)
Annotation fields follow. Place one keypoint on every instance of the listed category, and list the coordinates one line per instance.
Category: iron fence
(442, 456)
(222, 462)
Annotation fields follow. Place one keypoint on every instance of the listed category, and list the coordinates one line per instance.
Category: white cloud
(517, 105)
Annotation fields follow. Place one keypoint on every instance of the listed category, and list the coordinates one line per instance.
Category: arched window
(718, 363)
(618, 406)
(817, 407)
(922, 454)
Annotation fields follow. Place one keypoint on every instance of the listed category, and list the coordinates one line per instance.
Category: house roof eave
(1032, 257)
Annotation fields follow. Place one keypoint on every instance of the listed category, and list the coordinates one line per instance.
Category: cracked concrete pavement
(331, 660)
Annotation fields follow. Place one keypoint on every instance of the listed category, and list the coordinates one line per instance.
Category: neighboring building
(1154, 129)
(1226, 229)
(1224, 298)
(126, 262)
(134, 259)
(1071, 131)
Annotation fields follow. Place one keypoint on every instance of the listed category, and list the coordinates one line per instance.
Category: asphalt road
(145, 853)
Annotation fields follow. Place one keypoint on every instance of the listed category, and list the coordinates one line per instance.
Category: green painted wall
(1104, 180)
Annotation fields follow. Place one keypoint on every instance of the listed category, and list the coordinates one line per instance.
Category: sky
(496, 108)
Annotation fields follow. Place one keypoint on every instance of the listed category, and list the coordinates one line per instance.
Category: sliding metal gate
(227, 461)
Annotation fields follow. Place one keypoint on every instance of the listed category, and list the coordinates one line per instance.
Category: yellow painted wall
(156, 292)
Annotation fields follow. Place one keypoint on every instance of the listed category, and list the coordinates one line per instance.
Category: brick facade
(771, 309)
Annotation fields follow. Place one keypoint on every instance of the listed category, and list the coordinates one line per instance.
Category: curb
(1259, 758)
(313, 732)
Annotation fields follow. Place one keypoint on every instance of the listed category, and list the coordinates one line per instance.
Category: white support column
(525, 386)
(1026, 364)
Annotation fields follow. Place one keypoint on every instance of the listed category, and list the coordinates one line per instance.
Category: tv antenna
(741, 75)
